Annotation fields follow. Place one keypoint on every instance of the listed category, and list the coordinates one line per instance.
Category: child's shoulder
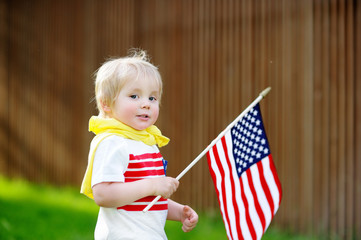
(122, 143)
(115, 139)
(109, 139)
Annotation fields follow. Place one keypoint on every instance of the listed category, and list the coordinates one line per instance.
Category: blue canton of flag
(250, 143)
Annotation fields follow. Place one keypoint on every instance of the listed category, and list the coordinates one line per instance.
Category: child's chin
(141, 127)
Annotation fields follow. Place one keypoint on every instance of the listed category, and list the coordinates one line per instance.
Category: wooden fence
(215, 57)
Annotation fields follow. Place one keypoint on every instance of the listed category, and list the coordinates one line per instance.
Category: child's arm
(182, 213)
(117, 194)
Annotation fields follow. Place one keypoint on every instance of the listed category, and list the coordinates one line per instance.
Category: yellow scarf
(150, 136)
(104, 127)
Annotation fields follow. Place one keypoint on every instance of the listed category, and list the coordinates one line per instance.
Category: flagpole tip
(265, 92)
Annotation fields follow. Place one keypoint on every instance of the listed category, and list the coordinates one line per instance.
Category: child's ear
(106, 108)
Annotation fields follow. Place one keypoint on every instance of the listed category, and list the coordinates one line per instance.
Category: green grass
(29, 211)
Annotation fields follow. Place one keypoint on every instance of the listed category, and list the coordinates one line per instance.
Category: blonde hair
(112, 76)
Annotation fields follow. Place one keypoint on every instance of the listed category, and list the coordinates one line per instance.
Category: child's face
(137, 104)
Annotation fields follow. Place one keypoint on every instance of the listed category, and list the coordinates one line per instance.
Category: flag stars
(249, 142)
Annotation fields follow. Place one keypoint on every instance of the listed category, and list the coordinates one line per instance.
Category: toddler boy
(125, 168)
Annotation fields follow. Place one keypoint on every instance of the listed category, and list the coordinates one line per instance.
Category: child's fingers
(165, 186)
(190, 214)
(187, 212)
(188, 226)
(190, 219)
(174, 183)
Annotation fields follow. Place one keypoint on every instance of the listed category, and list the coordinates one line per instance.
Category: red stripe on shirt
(155, 163)
(140, 167)
(157, 207)
(145, 156)
(145, 173)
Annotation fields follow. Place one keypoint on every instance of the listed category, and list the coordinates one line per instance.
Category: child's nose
(145, 104)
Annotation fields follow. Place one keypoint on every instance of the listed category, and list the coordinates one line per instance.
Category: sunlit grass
(41, 212)
(30, 211)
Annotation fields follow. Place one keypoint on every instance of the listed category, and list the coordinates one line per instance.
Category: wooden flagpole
(257, 100)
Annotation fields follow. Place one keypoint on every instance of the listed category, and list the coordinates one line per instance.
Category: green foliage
(210, 226)
(29, 211)
(41, 212)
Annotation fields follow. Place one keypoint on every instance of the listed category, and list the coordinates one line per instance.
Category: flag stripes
(245, 179)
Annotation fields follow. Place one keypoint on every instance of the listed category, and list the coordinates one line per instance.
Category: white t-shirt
(122, 160)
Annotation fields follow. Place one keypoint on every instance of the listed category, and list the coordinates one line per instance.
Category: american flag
(248, 189)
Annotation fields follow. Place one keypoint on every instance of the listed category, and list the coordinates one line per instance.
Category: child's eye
(152, 99)
(134, 96)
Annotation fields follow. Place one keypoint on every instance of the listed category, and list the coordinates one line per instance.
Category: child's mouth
(143, 116)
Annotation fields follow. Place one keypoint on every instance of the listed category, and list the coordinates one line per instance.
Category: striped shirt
(123, 160)
(147, 165)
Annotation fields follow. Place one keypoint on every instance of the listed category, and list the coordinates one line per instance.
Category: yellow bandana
(104, 127)
(150, 136)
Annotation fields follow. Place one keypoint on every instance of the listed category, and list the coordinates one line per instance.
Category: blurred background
(215, 57)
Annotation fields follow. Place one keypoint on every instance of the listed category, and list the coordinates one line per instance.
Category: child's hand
(189, 219)
(165, 186)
